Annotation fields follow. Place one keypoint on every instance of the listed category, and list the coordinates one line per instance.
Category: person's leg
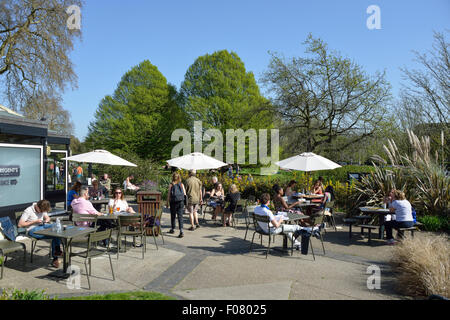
(191, 215)
(196, 214)
(173, 213)
(388, 225)
(180, 210)
(403, 224)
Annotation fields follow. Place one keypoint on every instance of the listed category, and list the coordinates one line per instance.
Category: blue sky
(118, 35)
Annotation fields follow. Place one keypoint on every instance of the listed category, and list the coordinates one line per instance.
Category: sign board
(21, 171)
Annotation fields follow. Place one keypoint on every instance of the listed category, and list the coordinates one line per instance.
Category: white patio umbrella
(100, 156)
(307, 161)
(196, 161)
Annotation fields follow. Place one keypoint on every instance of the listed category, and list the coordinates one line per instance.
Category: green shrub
(434, 223)
(16, 294)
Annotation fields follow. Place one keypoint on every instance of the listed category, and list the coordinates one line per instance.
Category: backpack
(176, 193)
(413, 212)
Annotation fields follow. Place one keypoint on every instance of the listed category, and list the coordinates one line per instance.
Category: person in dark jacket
(232, 198)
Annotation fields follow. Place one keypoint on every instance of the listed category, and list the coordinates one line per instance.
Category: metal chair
(137, 224)
(92, 251)
(78, 218)
(264, 219)
(157, 226)
(329, 215)
(8, 246)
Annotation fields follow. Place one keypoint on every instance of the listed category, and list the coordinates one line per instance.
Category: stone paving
(214, 263)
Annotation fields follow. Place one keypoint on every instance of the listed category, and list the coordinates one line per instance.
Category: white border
(28, 146)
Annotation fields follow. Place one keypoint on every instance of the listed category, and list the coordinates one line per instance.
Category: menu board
(20, 174)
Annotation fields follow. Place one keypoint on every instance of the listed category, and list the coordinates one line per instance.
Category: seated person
(214, 180)
(74, 193)
(279, 202)
(118, 203)
(82, 205)
(105, 182)
(276, 223)
(35, 218)
(317, 189)
(402, 209)
(232, 197)
(128, 185)
(217, 197)
(95, 192)
(290, 188)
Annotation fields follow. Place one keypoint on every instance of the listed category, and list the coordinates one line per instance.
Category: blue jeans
(56, 242)
(389, 225)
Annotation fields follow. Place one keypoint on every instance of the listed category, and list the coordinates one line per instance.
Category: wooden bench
(369, 228)
(410, 229)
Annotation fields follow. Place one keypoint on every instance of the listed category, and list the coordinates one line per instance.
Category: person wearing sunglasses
(118, 203)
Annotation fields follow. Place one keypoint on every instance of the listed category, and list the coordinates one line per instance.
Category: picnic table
(66, 235)
(381, 213)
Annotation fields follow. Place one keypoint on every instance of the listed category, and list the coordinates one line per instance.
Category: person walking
(175, 200)
(195, 198)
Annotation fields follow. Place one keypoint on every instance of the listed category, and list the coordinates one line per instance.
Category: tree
(43, 106)
(324, 96)
(218, 90)
(427, 92)
(35, 43)
(139, 117)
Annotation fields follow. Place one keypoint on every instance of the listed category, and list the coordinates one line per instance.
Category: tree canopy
(324, 96)
(35, 44)
(139, 117)
(218, 90)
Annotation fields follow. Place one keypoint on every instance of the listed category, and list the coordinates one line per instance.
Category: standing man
(195, 198)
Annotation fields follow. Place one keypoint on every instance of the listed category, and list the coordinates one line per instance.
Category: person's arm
(23, 223)
(392, 207)
(46, 217)
(168, 196)
(129, 208)
(91, 210)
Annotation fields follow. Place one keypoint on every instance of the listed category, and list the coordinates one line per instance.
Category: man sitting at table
(82, 205)
(293, 231)
(33, 218)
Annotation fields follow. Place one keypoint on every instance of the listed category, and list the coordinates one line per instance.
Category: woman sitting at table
(317, 189)
(290, 188)
(95, 192)
(118, 203)
(217, 198)
(402, 209)
(279, 202)
(232, 198)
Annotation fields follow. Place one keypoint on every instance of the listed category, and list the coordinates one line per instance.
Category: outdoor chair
(317, 219)
(138, 230)
(264, 219)
(93, 252)
(248, 215)
(329, 215)
(77, 218)
(8, 246)
(157, 226)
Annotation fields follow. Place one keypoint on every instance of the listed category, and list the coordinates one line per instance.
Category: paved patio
(214, 263)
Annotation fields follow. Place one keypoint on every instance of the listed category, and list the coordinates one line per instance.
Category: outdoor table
(292, 218)
(66, 237)
(381, 212)
(115, 215)
(307, 196)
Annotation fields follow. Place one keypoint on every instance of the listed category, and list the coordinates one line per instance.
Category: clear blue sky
(118, 35)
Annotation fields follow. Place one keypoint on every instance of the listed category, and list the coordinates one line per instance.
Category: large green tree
(218, 90)
(324, 96)
(139, 117)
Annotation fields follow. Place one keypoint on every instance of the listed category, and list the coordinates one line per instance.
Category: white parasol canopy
(100, 156)
(196, 161)
(307, 161)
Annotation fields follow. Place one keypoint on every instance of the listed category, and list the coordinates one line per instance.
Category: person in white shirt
(402, 209)
(118, 203)
(36, 218)
(276, 222)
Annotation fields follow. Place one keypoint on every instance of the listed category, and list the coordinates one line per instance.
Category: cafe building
(31, 165)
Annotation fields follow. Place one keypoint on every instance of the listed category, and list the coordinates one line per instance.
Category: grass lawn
(136, 295)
